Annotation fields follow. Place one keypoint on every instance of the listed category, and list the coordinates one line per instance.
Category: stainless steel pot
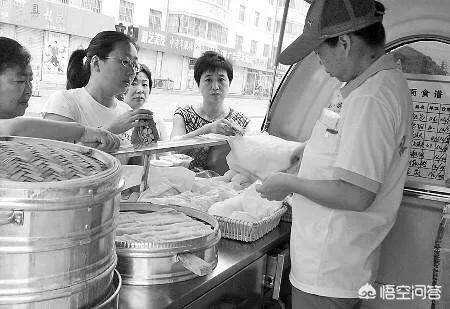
(160, 263)
(57, 238)
(112, 298)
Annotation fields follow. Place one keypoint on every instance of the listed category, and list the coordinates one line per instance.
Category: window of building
(93, 5)
(126, 11)
(424, 57)
(253, 47)
(269, 24)
(271, 2)
(194, 26)
(277, 25)
(239, 42)
(241, 12)
(292, 28)
(256, 20)
(266, 50)
(223, 3)
(154, 19)
(281, 3)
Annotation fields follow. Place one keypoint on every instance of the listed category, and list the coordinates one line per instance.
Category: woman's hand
(99, 138)
(221, 126)
(275, 187)
(130, 120)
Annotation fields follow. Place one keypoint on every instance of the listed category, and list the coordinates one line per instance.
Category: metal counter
(233, 257)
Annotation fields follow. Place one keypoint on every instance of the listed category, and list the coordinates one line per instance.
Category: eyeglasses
(128, 63)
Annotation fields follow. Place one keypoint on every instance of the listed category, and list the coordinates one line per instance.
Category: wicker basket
(249, 231)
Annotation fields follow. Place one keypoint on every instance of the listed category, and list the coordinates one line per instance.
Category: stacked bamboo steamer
(58, 202)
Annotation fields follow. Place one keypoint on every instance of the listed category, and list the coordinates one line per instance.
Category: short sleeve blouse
(194, 121)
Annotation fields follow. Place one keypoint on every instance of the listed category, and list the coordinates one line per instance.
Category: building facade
(171, 35)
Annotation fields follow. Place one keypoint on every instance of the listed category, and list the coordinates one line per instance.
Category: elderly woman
(137, 97)
(213, 74)
(15, 92)
(95, 76)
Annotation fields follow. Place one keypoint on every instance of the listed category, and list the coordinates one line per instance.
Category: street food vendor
(352, 172)
(15, 91)
(213, 75)
(95, 76)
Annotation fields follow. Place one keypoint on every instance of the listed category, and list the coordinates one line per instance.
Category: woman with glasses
(95, 76)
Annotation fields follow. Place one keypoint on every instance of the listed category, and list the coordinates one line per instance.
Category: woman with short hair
(213, 74)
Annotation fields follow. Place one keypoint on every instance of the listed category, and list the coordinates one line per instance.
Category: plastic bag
(260, 155)
(247, 206)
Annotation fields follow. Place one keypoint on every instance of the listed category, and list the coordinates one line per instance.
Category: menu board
(430, 130)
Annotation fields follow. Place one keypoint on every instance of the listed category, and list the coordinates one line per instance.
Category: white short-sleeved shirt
(363, 142)
(80, 106)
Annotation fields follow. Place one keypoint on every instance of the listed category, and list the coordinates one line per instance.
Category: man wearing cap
(353, 167)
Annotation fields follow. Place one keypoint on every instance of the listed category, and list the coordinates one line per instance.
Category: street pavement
(164, 103)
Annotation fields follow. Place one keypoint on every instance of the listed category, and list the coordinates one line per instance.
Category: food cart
(416, 254)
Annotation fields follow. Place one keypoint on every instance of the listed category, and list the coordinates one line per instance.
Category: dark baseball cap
(330, 18)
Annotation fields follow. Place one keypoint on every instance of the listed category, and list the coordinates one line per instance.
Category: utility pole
(266, 123)
(167, 16)
(280, 43)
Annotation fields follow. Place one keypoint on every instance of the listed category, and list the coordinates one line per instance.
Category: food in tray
(247, 206)
(178, 159)
(201, 195)
(146, 134)
(165, 225)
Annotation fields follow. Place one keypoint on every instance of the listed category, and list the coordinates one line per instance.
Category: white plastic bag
(247, 206)
(260, 155)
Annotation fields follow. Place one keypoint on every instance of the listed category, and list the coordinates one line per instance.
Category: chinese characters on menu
(430, 131)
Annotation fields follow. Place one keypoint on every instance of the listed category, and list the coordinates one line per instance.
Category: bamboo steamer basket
(153, 263)
(58, 203)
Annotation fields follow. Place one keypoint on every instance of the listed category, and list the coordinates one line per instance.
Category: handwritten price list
(430, 131)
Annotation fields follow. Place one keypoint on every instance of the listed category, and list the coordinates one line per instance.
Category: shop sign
(249, 61)
(130, 30)
(200, 48)
(46, 15)
(237, 58)
(167, 42)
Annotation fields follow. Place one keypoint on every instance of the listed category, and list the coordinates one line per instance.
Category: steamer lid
(45, 161)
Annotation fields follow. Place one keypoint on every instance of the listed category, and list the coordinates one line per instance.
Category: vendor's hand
(275, 187)
(221, 126)
(130, 120)
(101, 139)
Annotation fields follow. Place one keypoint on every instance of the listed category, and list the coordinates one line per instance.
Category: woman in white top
(95, 76)
(137, 96)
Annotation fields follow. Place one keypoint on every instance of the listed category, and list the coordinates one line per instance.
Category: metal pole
(167, 16)
(280, 43)
(283, 25)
